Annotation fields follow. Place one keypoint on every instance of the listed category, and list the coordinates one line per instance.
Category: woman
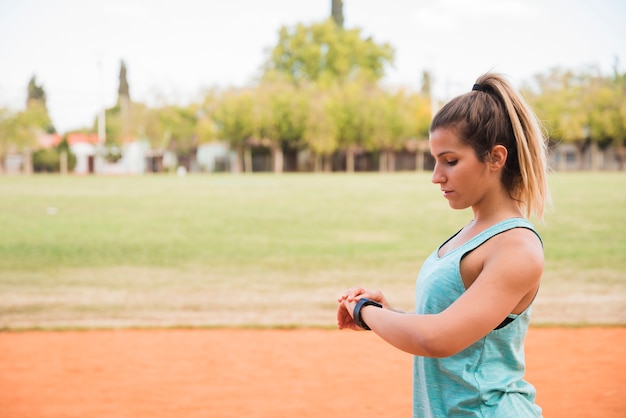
(474, 293)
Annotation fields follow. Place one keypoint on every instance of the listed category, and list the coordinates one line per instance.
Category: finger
(345, 295)
(343, 318)
(355, 293)
(350, 294)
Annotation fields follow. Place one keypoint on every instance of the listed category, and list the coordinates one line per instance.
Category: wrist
(356, 314)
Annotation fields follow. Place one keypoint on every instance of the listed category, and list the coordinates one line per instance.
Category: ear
(497, 157)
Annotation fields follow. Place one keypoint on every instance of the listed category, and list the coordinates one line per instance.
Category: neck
(495, 210)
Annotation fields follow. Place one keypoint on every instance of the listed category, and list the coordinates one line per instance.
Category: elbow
(436, 342)
(441, 352)
(434, 346)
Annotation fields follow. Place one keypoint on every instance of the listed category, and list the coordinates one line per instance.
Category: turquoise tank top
(487, 378)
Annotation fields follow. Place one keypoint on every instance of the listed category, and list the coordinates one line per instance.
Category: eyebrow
(444, 153)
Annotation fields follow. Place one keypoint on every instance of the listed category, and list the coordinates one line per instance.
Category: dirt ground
(578, 372)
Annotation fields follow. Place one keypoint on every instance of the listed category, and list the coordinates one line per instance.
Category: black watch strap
(356, 314)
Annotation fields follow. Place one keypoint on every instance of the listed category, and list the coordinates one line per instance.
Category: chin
(458, 206)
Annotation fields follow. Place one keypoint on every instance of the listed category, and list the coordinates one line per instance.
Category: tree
(320, 133)
(19, 130)
(337, 12)
(605, 101)
(557, 98)
(324, 53)
(36, 107)
(124, 103)
(180, 129)
(353, 122)
(175, 130)
(235, 122)
(49, 160)
(281, 113)
(584, 108)
(392, 123)
(618, 82)
(35, 92)
(206, 129)
(18, 133)
(417, 111)
(7, 127)
(123, 91)
(125, 121)
(113, 133)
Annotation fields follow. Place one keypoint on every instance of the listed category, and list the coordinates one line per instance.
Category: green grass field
(265, 250)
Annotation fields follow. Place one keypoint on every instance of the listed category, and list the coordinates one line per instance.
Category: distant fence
(562, 157)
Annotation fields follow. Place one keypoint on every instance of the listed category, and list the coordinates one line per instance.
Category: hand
(344, 316)
(356, 293)
(348, 301)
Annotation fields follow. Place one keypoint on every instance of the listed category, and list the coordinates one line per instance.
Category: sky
(175, 50)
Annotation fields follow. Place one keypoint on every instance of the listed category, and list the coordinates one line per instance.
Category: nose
(438, 176)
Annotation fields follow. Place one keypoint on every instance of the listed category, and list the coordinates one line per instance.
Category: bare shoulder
(518, 248)
(521, 239)
(501, 277)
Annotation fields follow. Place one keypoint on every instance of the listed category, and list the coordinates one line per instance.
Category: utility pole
(98, 158)
(102, 113)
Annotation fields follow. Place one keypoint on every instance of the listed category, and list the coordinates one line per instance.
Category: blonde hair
(494, 113)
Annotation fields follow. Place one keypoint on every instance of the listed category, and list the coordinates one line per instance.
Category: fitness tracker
(356, 314)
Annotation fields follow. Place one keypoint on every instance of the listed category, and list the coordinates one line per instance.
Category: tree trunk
(327, 161)
(582, 147)
(317, 163)
(28, 162)
(621, 157)
(382, 161)
(562, 166)
(63, 162)
(387, 161)
(279, 159)
(350, 160)
(597, 157)
(247, 160)
(580, 155)
(391, 159)
(419, 160)
(422, 147)
(239, 161)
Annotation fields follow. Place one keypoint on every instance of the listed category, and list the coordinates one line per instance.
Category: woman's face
(463, 179)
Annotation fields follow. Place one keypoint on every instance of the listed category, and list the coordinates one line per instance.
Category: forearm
(415, 334)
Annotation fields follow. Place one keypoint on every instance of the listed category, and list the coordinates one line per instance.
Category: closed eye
(452, 162)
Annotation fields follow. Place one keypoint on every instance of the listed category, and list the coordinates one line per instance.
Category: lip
(446, 193)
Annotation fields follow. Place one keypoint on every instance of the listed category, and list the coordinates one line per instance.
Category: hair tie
(478, 87)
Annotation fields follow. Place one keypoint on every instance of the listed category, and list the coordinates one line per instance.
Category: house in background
(48, 141)
(215, 157)
(135, 156)
(90, 156)
(84, 147)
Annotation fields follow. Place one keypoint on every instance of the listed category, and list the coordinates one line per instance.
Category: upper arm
(511, 269)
